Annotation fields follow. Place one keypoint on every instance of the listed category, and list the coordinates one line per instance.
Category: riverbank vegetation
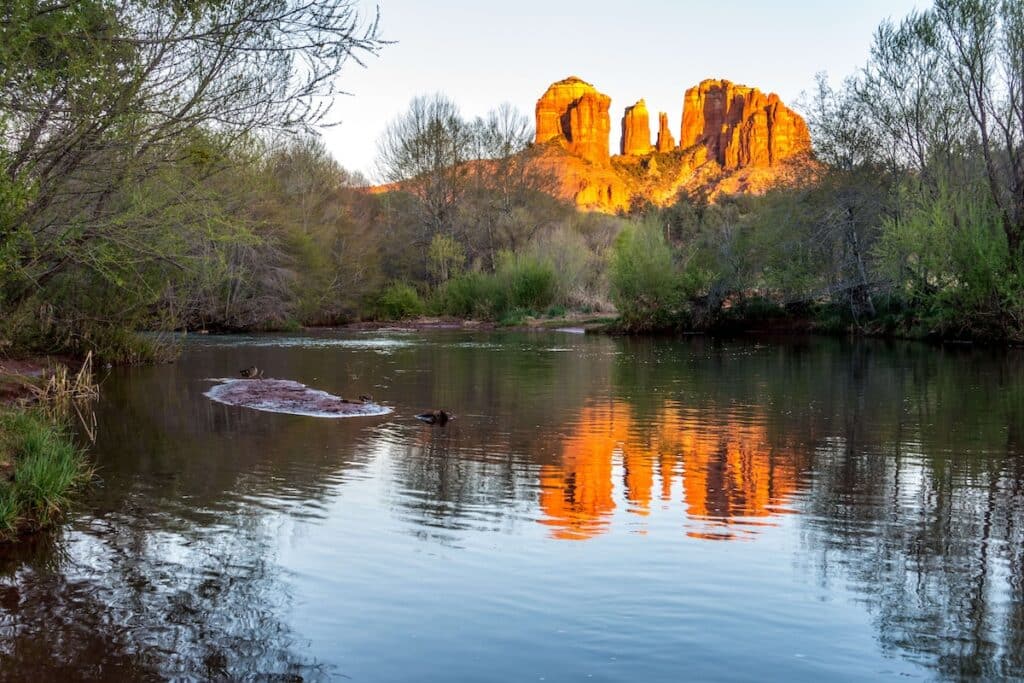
(41, 464)
(160, 172)
(133, 140)
(40, 468)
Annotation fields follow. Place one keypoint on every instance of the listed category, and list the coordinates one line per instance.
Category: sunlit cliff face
(726, 477)
(733, 139)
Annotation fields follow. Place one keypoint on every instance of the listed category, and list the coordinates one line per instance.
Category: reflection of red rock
(730, 475)
(638, 476)
(576, 496)
(735, 474)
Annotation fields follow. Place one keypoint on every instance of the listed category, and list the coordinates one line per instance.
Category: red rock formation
(666, 143)
(575, 113)
(741, 126)
(735, 140)
(636, 130)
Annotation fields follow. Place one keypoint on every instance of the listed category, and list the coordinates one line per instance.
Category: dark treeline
(160, 170)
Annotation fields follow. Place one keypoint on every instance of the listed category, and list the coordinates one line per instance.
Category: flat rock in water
(286, 396)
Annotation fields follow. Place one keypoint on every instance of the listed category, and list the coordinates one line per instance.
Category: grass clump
(40, 467)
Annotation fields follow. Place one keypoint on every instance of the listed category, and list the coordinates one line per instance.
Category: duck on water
(439, 417)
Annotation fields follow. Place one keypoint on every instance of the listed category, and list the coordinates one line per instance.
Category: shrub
(529, 280)
(580, 273)
(446, 257)
(521, 283)
(645, 286)
(472, 295)
(948, 255)
(399, 300)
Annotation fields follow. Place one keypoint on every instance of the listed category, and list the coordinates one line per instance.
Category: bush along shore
(41, 465)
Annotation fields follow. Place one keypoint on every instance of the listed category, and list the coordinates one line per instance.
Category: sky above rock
(482, 53)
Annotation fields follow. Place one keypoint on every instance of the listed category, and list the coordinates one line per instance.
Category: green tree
(645, 285)
(103, 100)
(446, 257)
(425, 150)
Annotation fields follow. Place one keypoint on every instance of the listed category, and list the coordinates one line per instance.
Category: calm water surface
(601, 510)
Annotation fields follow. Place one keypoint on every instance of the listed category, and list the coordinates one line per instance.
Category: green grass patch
(40, 468)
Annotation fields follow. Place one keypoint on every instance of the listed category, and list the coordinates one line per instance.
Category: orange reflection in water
(576, 496)
(731, 478)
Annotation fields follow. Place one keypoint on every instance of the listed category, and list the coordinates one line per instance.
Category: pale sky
(482, 53)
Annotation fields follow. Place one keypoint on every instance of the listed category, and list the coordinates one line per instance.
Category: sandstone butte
(575, 113)
(733, 139)
(666, 143)
(636, 131)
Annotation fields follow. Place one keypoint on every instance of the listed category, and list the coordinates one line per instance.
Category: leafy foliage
(645, 285)
(398, 301)
(117, 115)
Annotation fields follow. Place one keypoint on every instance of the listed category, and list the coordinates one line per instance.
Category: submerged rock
(287, 396)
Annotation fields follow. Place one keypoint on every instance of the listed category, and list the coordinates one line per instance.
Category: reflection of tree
(908, 459)
(445, 491)
(174, 574)
(140, 604)
(922, 507)
(935, 547)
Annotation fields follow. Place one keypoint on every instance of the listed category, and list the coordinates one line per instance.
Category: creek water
(601, 509)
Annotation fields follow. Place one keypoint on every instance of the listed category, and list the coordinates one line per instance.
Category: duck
(251, 373)
(366, 398)
(440, 417)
